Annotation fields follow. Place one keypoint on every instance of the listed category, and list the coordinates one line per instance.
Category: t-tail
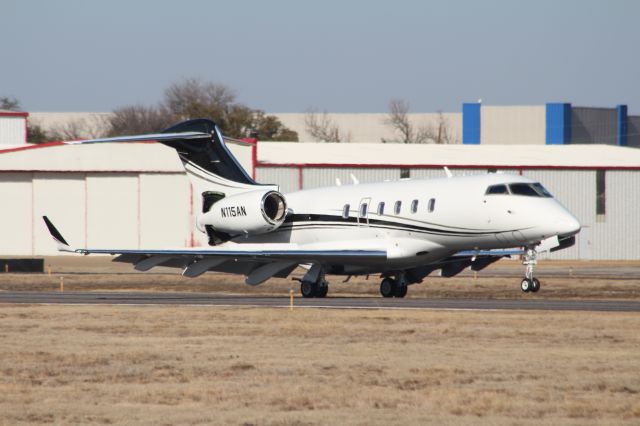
(213, 171)
(209, 163)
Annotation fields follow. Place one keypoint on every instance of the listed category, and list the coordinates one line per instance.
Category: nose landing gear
(529, 283)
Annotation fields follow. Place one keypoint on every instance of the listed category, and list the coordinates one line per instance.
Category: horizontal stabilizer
(200, 146)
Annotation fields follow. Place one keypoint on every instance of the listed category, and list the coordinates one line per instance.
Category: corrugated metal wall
(594, 125)
(12, 130)
(633, 129)
(286, 177)
(576, 190)
(617, 234)
(320, 177)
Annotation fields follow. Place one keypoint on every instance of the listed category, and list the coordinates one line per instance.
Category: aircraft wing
(258, 262)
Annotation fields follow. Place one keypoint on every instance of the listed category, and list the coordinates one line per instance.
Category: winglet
(61, 243)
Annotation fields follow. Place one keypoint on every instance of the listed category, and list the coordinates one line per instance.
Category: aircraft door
(363, 211)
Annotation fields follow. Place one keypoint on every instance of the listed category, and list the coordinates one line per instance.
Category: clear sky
(335, 55)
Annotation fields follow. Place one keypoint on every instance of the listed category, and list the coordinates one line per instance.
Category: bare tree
(270, 128)
(91, 127)
(139, 119)
(322, 128)
(440, 133)
(36, 134)
(398, 119)
(194, 98)
(9, 103)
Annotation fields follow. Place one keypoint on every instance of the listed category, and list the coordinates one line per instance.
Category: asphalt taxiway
(208, 299)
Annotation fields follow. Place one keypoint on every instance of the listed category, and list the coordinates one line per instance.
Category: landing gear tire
(387, 287)
(535, 285)
(529, 283)
(322, 291)
(401, 291)
(308, 289)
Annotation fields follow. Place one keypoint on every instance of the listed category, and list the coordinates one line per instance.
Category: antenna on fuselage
(448, 172)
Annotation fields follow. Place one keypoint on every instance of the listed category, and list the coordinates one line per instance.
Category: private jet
(402, 231)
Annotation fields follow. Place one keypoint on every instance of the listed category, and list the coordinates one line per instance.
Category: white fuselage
(436, 217)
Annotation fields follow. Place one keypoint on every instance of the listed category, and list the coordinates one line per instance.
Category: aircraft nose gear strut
(530, 283)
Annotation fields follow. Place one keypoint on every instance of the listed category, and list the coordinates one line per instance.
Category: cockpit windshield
(542, 190)
(526, 189)
(497, 189)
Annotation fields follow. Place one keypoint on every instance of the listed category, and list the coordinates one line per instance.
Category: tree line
(323, 129)
(194, 98)
(187, 99)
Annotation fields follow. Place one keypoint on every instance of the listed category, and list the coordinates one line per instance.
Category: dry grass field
(244, 366)
(195, 365)
(572, 280)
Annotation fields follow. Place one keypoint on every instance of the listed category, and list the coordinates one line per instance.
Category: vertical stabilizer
(208, 162)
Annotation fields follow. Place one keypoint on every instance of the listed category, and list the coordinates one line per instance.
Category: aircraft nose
(568, 225)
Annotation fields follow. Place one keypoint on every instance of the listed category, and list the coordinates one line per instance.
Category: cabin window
(397, 207)
(363, 209)
(497, 189)
(432, 205)
(381, 208)
(345, 211)
(414, 206)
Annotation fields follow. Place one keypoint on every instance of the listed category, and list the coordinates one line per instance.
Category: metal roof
(427, 155)
(154, 157)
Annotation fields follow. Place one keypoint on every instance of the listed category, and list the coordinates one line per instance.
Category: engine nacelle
(251, 213)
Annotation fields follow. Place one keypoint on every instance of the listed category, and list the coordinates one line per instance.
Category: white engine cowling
(251, 213)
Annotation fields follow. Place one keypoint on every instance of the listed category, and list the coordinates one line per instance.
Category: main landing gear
(311, 289)
(397, 287)
(529, 283)
(313, 283)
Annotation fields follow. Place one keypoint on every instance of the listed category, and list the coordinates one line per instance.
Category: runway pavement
(208, 299)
